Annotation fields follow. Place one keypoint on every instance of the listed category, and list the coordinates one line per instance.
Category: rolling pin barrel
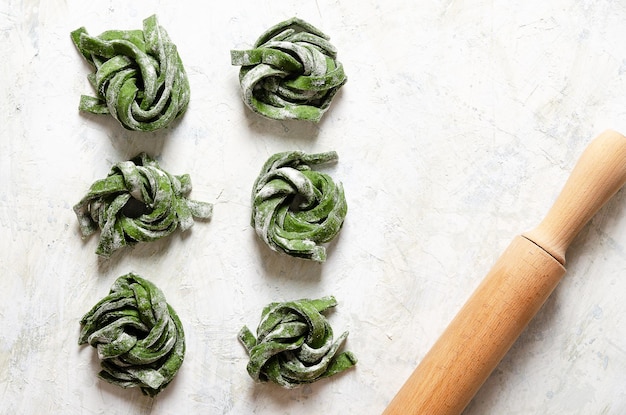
(513, 291)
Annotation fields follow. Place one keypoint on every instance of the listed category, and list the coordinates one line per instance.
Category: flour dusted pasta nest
(294, 344)
(138, 336)
(291, 72)
(296, 209)
(139, 77)
(137, 202)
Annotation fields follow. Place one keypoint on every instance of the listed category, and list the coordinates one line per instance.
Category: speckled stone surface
(458, 127)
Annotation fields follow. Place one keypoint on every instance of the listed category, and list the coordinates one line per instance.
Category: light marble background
(458, 126)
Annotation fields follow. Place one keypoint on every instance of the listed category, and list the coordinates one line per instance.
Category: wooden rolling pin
(513, 291)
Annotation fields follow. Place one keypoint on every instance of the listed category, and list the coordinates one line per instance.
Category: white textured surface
(459, 124)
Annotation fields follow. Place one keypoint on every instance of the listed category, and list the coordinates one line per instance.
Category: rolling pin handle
(513, 291)
(599, 173)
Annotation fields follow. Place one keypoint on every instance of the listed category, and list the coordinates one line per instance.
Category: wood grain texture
(481, 333)
(598, 175)
(513, 291)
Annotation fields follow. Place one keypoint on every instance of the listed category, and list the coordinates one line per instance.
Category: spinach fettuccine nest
(138, 76)
(137, 202)
(294, 344)
(295, 209)
(138, 335)
(291, 72)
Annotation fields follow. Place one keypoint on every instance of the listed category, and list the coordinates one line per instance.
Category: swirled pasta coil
(137, 202)
(138, 336)
(292, 72)
(139, 77)
(294, 344)
(296, 209)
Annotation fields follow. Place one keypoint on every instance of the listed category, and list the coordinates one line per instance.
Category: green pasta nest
(296, 209)
(137, 202)
(290, 73)
(139, 77)
(295, 345)
(138, 336)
